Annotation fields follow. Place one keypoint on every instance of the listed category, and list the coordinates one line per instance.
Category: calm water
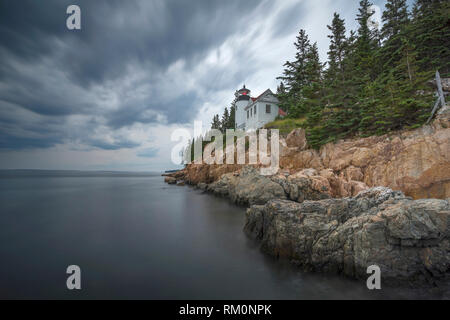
(135, 237)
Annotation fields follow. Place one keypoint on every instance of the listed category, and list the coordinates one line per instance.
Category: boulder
(409, 240)
(297, 139)
(202, 186)
(248, 187)
(170, 180)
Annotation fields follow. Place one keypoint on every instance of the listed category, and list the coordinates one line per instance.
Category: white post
(440, 91)
(440, 99)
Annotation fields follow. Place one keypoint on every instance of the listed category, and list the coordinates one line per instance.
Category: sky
(109, 96)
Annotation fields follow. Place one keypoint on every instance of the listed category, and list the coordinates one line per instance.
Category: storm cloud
(137, 65)
(114, 69)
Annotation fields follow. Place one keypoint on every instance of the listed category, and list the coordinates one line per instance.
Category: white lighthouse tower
(243, 100)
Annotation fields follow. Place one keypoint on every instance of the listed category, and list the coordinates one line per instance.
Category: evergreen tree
(395, 17)
(337, 49)
(430, 34)
(294, 77)
(370, 86)
(224, 123)
(365, 44)
(231, 120)
(282, 96)
(215, 124)
(312, 91)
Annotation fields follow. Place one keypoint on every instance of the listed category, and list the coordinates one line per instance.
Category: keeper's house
(254, 113)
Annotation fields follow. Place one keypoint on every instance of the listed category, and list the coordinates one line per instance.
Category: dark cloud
(10, 142)
(56, 73)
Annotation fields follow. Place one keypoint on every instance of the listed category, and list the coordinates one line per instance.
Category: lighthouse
(254, 113)
(242, 101)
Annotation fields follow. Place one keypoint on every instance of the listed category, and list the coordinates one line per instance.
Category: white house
(254, 113)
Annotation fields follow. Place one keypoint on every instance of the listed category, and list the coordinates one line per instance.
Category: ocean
(135, 237)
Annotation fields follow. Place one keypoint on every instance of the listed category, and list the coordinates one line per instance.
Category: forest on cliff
(375, 80)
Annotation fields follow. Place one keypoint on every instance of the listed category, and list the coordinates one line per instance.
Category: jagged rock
(409, 240)
(249, 187)
(323, 184)
(286, 151)
(202, 186)
(170, 180)
(297, 139)
(204, 173)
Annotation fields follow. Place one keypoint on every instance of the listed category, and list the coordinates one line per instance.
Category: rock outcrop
(203, 173)
(297, 139)
(409, 240)
(248, 187)
(416, 162)
(170, 180)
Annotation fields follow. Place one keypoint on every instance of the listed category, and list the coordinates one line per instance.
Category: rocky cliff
(416, 162)
(320, 212)
(409, 240)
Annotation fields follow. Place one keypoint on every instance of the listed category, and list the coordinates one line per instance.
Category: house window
(255, 110)
(268, 108)
(248, 114)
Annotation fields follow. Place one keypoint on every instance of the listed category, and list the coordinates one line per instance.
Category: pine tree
(231, 120)
(294, 77)
(337, 49)
(370, 86)
(395, 17)
(282, 96)
(312, 91)
(335, 76)
(224, 123)
(365, 44)
(215, 124)
(430, 34)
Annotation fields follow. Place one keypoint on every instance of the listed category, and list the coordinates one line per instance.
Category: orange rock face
(202, 173)
(416, 162)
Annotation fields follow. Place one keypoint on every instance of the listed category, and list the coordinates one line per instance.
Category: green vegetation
(286, 125)
(227, 120)
(374, 81)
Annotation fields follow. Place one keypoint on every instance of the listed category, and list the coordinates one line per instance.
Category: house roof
(258, 97)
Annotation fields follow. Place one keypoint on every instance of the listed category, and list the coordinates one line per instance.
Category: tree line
(227, 121)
